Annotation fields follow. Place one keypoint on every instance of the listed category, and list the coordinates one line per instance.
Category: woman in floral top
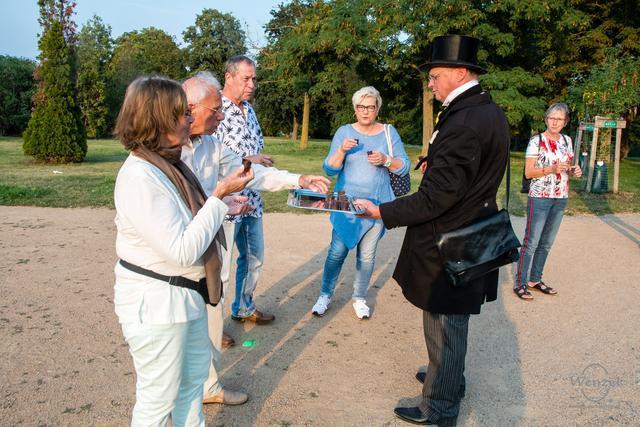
(548, 165)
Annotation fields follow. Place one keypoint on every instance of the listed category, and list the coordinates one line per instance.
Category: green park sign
(610, 124)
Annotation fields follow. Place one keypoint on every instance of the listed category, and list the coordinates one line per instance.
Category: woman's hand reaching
(233, 182)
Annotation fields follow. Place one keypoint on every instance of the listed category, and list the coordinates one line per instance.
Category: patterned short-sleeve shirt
(548, 152)
(241, 132)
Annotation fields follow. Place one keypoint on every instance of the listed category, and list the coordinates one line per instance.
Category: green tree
(149, 51)
(17, 86)
(272, 88)
(406, 29)
(611, 89)
(213, 39)
(94, 53)
(319, 58)
(55, 132)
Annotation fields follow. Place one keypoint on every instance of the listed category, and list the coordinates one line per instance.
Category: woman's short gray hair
(367, 91)
(558, 106)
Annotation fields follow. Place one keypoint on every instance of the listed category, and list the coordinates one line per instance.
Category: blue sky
(19, 27)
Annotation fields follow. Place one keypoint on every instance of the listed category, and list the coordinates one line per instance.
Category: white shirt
(210, 161)
(156, 231)
(457, 91)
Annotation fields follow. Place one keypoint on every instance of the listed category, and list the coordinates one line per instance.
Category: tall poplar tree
(94, 52)
(55, 132)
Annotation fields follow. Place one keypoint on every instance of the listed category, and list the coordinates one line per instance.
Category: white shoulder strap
(387, 134)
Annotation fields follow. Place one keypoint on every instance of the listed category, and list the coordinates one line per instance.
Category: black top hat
(455, 51)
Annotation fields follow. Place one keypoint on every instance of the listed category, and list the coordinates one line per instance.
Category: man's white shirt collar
(457, 91)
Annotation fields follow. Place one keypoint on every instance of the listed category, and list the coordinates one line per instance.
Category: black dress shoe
(415, 416)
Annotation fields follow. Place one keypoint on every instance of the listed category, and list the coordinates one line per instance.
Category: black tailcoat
(466, 163)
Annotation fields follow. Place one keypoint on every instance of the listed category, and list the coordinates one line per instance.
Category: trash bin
(582, 161)
(600, 182)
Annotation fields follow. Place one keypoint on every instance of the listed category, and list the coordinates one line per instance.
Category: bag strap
(180, 281)
(387, 135)
(508, 176)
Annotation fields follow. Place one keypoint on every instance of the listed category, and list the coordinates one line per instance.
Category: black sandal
(544, 288)
(523, 293)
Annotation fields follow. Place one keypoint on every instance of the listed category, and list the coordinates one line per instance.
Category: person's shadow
(599, 205)
(492, 369)
(277, 346)
(494, 392)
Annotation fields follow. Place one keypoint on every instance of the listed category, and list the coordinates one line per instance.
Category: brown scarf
(168, 161)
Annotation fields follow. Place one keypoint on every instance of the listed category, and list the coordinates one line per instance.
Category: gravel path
(572, 359)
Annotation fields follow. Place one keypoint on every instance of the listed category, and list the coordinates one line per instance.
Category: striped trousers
(444, 385)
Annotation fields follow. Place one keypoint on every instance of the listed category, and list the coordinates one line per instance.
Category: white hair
(367, 91)
(200, 85)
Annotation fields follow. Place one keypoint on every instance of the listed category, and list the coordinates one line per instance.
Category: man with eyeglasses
(467, 158)
(210, 160)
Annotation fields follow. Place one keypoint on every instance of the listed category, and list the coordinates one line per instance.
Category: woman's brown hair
(152, 107)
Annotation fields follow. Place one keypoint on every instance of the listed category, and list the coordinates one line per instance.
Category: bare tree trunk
(294, 131)
(305, 122)
(427, 116)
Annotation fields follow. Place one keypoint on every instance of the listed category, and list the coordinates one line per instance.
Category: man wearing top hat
(466, 161)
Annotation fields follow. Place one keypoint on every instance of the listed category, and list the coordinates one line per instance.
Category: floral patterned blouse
(241, 132)
(548, 152)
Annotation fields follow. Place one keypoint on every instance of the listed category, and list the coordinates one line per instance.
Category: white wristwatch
(387, 163)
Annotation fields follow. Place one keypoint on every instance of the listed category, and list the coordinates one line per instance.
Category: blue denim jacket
(360, 179)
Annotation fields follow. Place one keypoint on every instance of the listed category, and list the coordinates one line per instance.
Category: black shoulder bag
(400, 184)
(526, 182)
(471, 252)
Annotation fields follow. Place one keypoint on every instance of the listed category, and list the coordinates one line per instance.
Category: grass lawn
(90, 183)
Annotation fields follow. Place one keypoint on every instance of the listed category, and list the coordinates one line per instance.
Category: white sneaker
(321, 305)
(361, 309)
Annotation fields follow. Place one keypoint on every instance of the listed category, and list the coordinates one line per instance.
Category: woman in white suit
(166, 232)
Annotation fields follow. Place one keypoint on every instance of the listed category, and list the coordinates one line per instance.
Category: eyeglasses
(369, 108)
(434, 77)
(556, 119)
(215, 110)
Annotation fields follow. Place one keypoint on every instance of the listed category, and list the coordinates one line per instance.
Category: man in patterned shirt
(241, 132)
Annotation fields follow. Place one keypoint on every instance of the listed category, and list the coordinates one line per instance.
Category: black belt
(180, 281)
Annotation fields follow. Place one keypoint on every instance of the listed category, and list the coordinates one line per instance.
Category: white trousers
(215, 315)
(171, 363)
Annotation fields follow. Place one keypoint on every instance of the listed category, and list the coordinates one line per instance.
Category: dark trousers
(444, 385)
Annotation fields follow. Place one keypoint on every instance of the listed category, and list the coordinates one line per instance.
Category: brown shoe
(227, 397)
(227, 341)
(257, 317)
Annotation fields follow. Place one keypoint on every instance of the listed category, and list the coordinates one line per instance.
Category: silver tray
(307, 199)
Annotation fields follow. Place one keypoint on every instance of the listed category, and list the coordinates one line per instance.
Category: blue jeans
(365, 260)
(250, 242)
(543, 221)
